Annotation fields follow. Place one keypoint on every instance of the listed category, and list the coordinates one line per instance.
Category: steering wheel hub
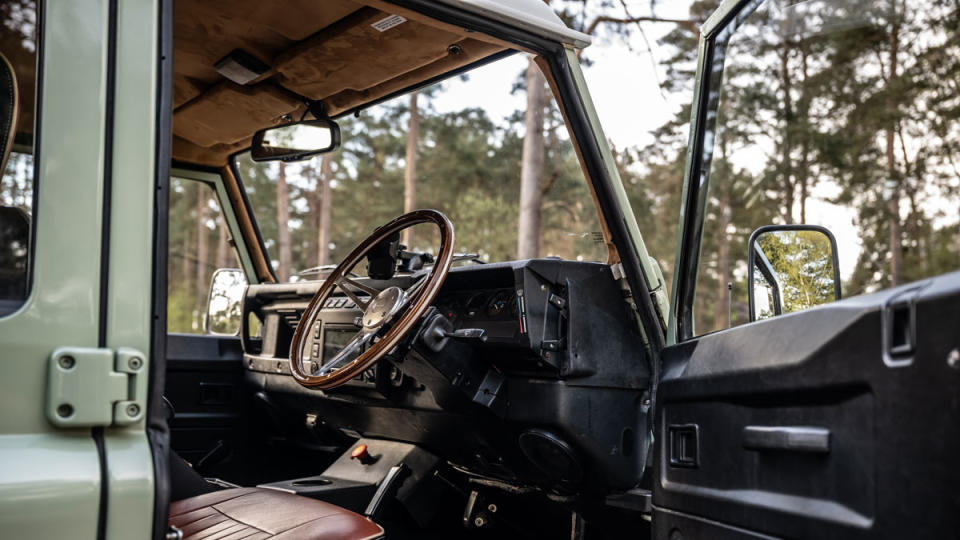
(382, 307)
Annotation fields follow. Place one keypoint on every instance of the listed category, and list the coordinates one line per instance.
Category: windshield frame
(562, 70)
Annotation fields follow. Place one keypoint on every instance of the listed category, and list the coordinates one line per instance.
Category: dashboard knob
(361, 454)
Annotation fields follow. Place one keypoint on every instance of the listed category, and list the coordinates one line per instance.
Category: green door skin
(50, 478)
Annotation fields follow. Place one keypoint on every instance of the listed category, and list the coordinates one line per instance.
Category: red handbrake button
(361, 454)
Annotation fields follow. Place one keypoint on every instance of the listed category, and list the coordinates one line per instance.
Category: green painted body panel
(129, 324)
(50, 477)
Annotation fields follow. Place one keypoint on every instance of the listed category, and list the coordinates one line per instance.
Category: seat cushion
(256, 513)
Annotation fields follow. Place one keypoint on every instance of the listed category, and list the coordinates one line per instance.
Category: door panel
(205, 386)
(799, 426)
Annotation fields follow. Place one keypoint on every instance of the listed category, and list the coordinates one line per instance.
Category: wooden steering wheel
(388, 315)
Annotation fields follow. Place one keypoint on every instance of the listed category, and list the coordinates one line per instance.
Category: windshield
(457, 147)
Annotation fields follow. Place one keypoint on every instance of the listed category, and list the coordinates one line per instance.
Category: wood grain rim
(402, 326)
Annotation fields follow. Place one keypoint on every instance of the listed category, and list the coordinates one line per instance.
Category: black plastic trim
(38, 104)
(108, 128)
(158, 432)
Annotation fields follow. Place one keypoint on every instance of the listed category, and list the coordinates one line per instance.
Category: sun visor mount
(241, 67)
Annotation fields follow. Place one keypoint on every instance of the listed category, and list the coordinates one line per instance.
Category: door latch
(89, 387)
(900, 327)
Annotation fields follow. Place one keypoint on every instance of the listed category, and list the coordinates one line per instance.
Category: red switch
(361, 454)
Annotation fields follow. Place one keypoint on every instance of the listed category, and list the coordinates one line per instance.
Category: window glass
(840, 114)
(199, 243)
(18, 44)
(468, 145)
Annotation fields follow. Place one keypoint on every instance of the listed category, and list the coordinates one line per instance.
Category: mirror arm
(317, 109)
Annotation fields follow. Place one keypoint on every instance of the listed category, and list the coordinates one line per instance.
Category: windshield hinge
(89, 387)
(618, 272)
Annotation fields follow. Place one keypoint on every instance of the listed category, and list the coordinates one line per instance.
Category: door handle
(787, 438)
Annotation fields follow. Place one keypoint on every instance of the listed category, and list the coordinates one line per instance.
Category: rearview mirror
(295, 141)
(791, 268)
(225, 302)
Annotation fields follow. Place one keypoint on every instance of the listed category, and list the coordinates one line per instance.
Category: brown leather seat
(257, 513)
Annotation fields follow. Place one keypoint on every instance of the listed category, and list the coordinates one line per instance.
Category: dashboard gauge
(475, 305)
(499, 304)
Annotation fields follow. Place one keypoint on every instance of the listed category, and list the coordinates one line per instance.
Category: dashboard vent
(290, 316)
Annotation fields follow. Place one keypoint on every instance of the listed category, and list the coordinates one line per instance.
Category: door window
(199, 245)
(18, 44)
(833, 113)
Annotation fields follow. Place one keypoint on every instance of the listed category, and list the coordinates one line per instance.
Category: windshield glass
(460, 151)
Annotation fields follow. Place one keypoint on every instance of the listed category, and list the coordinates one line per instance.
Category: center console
(371, 473)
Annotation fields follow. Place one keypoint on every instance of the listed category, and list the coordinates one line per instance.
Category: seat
(258, 513)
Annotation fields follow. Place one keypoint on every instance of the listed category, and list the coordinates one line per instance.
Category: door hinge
(89, 387)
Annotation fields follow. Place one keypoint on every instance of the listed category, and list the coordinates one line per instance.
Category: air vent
(290, 316)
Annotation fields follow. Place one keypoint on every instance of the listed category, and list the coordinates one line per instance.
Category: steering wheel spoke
(342, 284)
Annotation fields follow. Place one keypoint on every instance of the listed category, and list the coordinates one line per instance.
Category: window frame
(34, 150)
(714, 36)
(216, 183)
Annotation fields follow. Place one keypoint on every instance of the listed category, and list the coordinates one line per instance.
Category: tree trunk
(786, 166)
(283, 225)
(722, 307)
(202, 273)
(893, 203)
(804, 116)
(410, 173)
(326, 206)
(223, 247)
(531, 195)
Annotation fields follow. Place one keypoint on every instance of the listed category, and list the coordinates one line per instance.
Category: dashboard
(559, 334)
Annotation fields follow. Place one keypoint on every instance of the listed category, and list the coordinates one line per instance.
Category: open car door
(833, 422)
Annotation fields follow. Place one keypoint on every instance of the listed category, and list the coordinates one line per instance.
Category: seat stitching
(185, 525)
(228, 516)
(212, 505)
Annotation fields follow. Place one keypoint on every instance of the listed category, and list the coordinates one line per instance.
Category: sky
(623, 81)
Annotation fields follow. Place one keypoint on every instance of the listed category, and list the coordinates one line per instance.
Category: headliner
(328, 51)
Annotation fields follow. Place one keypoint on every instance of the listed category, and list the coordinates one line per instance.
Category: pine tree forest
(843, 115)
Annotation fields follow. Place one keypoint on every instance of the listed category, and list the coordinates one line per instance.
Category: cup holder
(311, 482)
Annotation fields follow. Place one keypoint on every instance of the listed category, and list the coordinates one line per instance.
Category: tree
(531, 194)
(410, 168)
(326, 207)
(283, 219)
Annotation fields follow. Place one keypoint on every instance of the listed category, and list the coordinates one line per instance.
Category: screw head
(953, 359)
(67, 362)
(135, 363)
(65, 410)
(133, 410)
(492, 507)
(479, 521)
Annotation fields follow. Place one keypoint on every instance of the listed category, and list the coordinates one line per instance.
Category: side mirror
(225, 302)
(295, 141)
(791, 268)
